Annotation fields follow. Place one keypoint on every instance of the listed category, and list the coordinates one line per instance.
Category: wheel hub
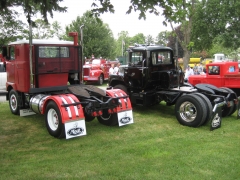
(188, 111)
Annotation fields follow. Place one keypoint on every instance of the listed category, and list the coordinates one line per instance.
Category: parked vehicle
(38, 83)
(148, 81)
(2, 64)
(219, 57)
(220, 74)
(97, 70)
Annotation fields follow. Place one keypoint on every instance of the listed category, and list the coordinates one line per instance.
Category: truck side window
(12, 53)
(162, 57)
(231, 69)
(214, 70)
(137, 58)
(154, 58)
(53, 52)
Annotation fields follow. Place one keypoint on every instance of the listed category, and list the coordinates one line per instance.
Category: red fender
(125, 103)
(69, 113)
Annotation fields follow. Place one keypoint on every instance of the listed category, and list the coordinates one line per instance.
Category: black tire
(100, 79)
(208, 105)
(228, 111)
(53, 120)
(122, 87)
(190, 110)
(14, 102)
(108, 119)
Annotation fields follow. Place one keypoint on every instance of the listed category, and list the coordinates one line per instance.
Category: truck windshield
(137, 58)
(96, 61)
(161, 57)
(213, 70)
(53, 52)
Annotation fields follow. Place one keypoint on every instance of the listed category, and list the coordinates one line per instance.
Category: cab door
(11, 65)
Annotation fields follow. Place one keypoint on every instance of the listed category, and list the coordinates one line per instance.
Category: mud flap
(124, 110)
(75, 129)
(125, 117)
(238, 108)
(216, 118)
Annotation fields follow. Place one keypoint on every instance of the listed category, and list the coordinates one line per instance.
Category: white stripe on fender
(118, 100)
(75, 107)
(125, 100)
(67, 108)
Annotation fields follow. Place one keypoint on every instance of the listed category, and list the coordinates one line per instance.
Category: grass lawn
(156, 146)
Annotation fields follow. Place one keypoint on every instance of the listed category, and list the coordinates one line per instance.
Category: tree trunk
(186, 27)
(186, 57)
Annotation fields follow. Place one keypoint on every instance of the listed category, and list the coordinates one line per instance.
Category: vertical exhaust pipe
(81, 43)
(30, 54)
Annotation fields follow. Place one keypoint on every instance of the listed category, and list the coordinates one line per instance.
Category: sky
(119, 21)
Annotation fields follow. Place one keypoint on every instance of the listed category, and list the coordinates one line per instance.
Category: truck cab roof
(43, 41)
(148, 48)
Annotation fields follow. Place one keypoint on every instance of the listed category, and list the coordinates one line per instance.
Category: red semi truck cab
(54, 63)
(45, 77)
(220, 74)
(97, 70)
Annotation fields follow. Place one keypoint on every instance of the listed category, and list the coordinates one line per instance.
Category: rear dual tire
(191, 110)
(108, 119)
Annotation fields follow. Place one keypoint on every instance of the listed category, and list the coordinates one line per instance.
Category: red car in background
(97, 70)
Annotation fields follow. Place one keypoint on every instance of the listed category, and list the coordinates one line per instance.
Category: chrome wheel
(13, 102)
(52, 119)
(188, 111)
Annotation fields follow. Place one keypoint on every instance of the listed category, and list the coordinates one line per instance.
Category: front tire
(122, 87)
(190, 111)
(108, 119)
(53, 120)
(14, 102)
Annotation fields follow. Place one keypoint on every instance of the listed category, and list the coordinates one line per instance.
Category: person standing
(116, 69)
(111, 69)
(195, 68)
(200, 68)
(188, 72)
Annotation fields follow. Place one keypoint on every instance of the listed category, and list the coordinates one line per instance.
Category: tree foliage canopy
(217, 18)
(97, 36)
(31, 7)
(160, 7)
(11, 27)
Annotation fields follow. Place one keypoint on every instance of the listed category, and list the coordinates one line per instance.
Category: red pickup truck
(97, 70)
(220, 74)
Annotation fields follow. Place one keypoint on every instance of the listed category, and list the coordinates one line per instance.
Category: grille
(86, 71)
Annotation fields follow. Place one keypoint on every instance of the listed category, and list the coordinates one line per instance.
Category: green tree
(174, 11)
(56, 30)
(138, 39)
(172, 39)
(11, 28)
(97, 36)
(31, 7)
(149, 40)
(217, 18)
(122, 43)
(163, 38)
(41, 30)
